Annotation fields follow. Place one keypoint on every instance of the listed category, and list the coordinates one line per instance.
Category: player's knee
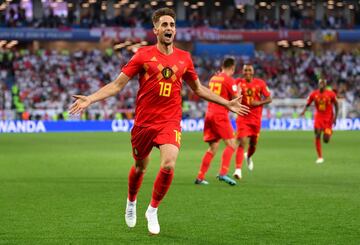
(168, 164)
(242, 143)
(326, 139)
(233, 146)
(252, 144)
(140, 167)
(213, 149)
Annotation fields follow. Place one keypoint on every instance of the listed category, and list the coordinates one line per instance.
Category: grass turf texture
(71, 189)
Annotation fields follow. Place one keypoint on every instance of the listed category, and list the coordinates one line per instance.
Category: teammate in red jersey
(255, 94)
(217, 124)
(161, 69)
(324, 116)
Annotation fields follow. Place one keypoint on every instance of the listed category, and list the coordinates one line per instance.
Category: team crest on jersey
(249, 92)
(167, 72)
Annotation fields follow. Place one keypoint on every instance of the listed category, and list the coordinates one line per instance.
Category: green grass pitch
(71, 189)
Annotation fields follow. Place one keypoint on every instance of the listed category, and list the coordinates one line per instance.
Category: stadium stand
(39, 80)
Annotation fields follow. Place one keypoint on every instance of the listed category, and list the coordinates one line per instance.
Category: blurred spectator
(138, 14)
(47, 79)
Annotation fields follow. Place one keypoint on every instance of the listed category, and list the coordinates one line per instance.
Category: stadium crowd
(46, 80)
(224, 18)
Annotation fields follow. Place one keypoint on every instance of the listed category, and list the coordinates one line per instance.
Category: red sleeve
(310, 99)
(333, 96)
(190, 73)
(265, 90)
(232, 88)
(134, 66)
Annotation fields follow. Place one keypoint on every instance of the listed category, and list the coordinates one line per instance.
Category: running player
(217, 124)
(161, 69)
(255, 94)
(325, 117)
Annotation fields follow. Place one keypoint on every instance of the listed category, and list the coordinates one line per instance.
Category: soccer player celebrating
(255, 94)
(217, 124)
(324, 116)
(161, 69)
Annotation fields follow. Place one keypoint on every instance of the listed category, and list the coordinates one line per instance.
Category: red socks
(161, 186)
(239, 157)
(251, 150)
(135, 180)
(225, 160)
(318, 147)
(205, 164)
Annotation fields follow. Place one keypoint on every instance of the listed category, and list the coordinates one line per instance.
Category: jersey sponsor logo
(167, 72)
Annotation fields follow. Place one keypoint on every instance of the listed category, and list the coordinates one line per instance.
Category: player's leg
(317, 133)
(135, 179)
(206, 161)
(141, 140)
(239, 156)
(168, 156)
(136, 176)
(230, 146)
(251, 150)
(327, 135)
(252, 146)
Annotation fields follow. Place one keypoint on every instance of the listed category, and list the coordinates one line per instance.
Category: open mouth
(168, 35)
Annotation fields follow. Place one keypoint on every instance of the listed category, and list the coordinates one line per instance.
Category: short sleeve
(333, 96)
(310, 99)
(265, 90)
(134, 66)
(190, 73)
(232, 87)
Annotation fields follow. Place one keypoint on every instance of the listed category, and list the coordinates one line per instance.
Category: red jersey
(323, 103)
(158, 100)
(254, 90)
(225, 86)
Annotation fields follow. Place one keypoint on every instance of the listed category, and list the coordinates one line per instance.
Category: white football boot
(320, 160)
(249, 162)
(237, 174)
(152, 218)
(130, 213)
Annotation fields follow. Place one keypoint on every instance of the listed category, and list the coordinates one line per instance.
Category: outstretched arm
(304, 110)
(308, 103)
(205, 93)
(336, 105)
(82, 102)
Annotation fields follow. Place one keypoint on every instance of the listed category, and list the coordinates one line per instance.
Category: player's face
(322, 84)
(232, 70)
(248, 72)
(165, 30)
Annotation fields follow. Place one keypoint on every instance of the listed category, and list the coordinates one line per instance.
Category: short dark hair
(161, 12)
(228, 62)
(248, 64)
